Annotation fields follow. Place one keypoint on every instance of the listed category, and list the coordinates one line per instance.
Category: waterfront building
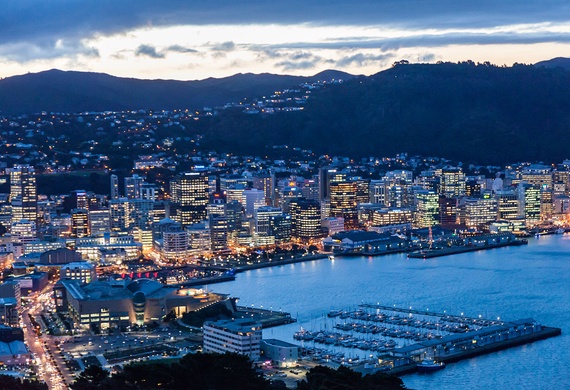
(262, 218)
(23, 193)
(391, 216)
(218, 224)
(448, 211)
(79, 223)
(343, 202)
(281, 353)
(305, 218)
(280, 228)
(529, 203)
(125, 302)
(332, 225)
(477, 212)
(190, 197)
(507, 205)
(241, 336)
(562, 204)
(546, 204)
(427, 208)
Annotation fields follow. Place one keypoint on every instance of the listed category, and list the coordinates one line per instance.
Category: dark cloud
(181, 49)
(296, 65)
(149, 51)
(40, 20)
(33, 28)
(362, 59)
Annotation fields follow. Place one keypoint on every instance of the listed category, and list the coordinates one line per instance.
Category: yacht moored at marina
(428, 365)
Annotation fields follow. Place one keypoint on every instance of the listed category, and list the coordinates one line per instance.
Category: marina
(403, 338)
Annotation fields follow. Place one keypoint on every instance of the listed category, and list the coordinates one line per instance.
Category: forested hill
(469, 112)
(69, 91)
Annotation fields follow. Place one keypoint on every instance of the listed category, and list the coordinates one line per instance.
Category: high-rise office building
(427, 208)
(189, 193)
(23, 193)
(305, 218)
(451, 182)
(343, 202)
(529, 203)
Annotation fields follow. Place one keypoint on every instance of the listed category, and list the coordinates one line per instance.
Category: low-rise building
(241, 336)
(280, 352)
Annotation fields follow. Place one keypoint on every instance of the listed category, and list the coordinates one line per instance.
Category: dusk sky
(188, 40)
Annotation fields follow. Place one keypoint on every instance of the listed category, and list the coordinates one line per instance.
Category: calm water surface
(511, 283)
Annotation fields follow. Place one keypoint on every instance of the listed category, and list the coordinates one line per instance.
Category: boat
(334, 313)
(429, 365)
(560, 231)
(331, 257)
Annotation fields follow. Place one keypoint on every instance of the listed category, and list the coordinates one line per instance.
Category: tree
(9, 382)
(93, 377)
(344, 378)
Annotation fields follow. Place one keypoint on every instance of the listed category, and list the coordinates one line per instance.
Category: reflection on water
(508, 283)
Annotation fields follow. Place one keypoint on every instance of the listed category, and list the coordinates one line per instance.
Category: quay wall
(545, 333)
(266, 264)
(460, 249)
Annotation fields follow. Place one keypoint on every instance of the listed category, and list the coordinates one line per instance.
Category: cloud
(23, 52)
(224, 46)
(149, 51)
(297, 65)
(361, 59)
(181, 49)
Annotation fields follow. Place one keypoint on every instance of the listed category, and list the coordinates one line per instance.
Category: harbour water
(508, 283)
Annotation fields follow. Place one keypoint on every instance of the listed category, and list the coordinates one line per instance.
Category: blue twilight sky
(187, 40)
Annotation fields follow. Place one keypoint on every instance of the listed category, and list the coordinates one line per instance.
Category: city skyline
(177, 40)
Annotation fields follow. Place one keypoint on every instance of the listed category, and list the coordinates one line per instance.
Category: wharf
(274, 263)
(267, 318)
(430, 253)
(545, 333)
(204, 281)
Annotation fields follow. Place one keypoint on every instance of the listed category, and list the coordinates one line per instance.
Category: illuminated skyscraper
(343, 201)
(451, 182)
(189, 197)
(23, 195)
(305, 218)
(427, 208)
(529, 203)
